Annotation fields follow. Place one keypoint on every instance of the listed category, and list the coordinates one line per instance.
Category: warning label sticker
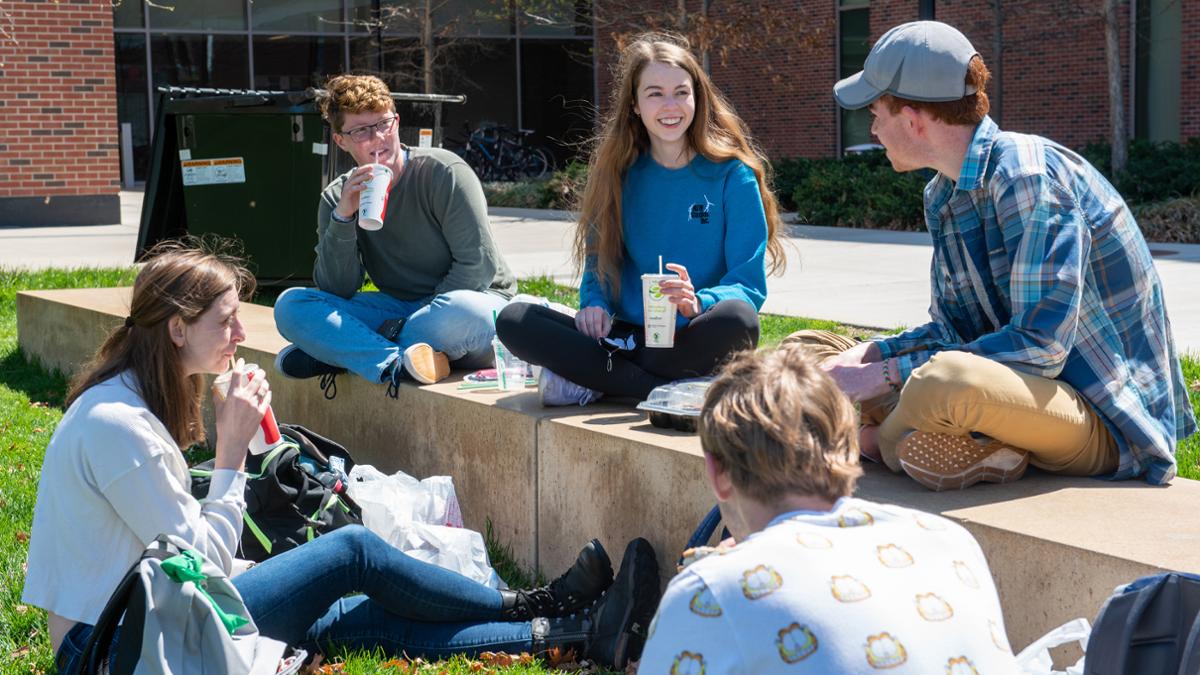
(213, 171)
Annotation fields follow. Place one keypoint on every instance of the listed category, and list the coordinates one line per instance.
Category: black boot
(613, 631)
(577, 588)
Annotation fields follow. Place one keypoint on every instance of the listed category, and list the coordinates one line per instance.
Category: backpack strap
(96, 658)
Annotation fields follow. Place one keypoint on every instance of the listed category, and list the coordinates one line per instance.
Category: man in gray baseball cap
(1049, 341)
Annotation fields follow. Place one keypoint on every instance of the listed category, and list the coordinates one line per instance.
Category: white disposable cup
(372, 201)
(658, 312)
(268, 435)
(510, 370)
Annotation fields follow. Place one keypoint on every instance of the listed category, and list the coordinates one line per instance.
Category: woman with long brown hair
(114, 478)
(673, 174)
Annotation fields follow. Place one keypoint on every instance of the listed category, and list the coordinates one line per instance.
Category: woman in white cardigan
(114, 478)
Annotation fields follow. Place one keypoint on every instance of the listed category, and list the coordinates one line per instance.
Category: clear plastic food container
(677, 405)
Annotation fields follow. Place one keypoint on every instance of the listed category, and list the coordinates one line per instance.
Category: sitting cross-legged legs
(961, 418)
(547, 338)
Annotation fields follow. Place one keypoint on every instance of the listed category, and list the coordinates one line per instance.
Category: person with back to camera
(114, 478)
(818, 581)
(673, 174)
(1049, 342)
(439, 273)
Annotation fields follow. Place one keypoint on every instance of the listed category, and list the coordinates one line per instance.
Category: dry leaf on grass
(38, 404)
(22, 537)
(21, 609)
(1196, 385)
(497, 659)
(20, 653)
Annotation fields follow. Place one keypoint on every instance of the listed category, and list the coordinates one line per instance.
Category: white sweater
(113, 480)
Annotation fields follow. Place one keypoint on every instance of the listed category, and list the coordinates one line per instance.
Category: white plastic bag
(402, 498)
(1035, 659)
(423, 519)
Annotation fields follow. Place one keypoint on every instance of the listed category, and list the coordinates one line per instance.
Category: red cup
(268, 435)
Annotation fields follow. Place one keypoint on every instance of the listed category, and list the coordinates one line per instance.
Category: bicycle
(498, 153)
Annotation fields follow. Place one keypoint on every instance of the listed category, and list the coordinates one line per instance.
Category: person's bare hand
(681, 292)
(239, 414)
(859, 382)
(593, 322)
(351, 191)
(863, 352)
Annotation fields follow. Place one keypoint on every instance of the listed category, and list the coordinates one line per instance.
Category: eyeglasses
(366, 133)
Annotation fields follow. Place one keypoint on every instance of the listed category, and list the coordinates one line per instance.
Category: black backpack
(1148, 627)
(294, 493)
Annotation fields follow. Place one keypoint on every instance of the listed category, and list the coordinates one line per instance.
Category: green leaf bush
(1161, 183)
(857, 191)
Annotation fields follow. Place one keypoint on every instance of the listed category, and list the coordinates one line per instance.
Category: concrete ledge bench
(551, 478)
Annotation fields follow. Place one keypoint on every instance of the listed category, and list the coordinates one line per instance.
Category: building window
(1157, 70)
(295, 62)
(854, 35)
(505, 57)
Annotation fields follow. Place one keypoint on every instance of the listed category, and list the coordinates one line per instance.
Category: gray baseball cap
(919, 61)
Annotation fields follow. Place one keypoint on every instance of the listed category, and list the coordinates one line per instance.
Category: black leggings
(544, 337)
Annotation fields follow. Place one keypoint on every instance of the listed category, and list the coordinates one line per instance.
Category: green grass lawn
(31, 401)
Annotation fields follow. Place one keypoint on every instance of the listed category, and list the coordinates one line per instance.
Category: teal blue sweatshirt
(705, 216)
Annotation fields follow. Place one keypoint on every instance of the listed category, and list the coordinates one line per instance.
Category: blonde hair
(181, 278)
(780, 425)
(353, 94)
(716, 132)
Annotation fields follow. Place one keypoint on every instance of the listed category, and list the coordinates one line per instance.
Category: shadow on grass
(19, 373)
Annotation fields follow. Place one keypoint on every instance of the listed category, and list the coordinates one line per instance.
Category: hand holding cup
(681, 292)
(239, 415)
(351, 190)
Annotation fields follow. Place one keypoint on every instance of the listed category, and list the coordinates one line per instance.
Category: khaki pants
(959, 393)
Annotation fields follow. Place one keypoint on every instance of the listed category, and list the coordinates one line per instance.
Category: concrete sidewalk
(860, 277)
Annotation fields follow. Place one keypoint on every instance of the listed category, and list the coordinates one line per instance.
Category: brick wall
(1189, 72)
(785, 95)
(1052, 64)
(59, 157)
(1049, 76)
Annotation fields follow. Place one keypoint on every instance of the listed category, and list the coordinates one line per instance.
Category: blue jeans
(407, 607)
(341, 331)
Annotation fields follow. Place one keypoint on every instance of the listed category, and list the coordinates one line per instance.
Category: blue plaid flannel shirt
(1038, 264)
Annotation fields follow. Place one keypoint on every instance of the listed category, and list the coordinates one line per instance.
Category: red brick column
(1189, 72)
(59, 156)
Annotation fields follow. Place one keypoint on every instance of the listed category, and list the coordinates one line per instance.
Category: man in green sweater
(439, 273)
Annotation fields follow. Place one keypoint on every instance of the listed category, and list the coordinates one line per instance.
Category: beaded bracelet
(888, 378)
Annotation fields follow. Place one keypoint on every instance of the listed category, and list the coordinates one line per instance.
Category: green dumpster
(250, 165)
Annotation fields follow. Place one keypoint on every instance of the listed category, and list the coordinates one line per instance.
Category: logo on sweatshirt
(699, 211)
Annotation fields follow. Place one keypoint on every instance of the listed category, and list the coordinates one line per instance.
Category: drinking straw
(660, 265)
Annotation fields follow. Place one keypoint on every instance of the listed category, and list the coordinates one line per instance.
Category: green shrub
(559, 191)
(1154, 172)
(564, 187)
(519, 194)
(858, 191)
(788, 174)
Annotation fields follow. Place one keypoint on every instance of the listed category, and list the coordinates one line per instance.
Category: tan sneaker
(426, 365)
(947, 462)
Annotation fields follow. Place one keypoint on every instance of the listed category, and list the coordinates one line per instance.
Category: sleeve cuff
(227, 485)
(707, 300)
(886, 351)
(910, 362)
